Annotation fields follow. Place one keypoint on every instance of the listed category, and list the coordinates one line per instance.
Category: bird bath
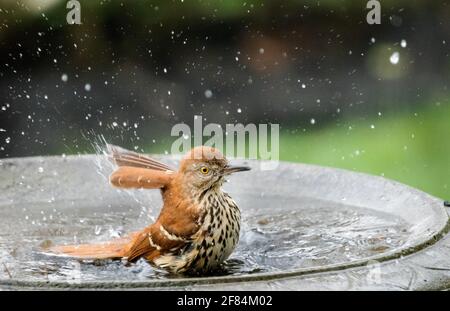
(304, 227)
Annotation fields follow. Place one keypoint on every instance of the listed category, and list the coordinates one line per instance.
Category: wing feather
(136, 177)
(153, 241)
(124, 157)
(140, 247)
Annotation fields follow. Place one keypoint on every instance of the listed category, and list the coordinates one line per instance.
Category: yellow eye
(204, 170)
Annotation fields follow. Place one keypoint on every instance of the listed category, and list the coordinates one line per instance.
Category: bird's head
(206, 167)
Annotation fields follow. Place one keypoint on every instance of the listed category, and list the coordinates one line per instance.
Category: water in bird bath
(279, 233)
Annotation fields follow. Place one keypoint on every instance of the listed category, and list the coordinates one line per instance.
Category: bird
(198, 226)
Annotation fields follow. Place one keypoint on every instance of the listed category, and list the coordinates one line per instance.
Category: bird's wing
(136, 177)
(124, 157)
(154, 241)
(139, 247)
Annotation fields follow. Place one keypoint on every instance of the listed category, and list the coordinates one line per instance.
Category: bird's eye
(204, 170)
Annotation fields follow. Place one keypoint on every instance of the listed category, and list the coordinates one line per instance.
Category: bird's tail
(114, 249)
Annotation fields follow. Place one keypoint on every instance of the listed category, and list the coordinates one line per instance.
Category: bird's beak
(233, 169)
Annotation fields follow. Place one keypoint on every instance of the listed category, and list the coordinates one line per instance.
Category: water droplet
(239, 110)
(64, 77)
(208, 94)
(403, 43)
(395, 57)
(40, 169)
(87, 87)
(312, 121)
(97, 230)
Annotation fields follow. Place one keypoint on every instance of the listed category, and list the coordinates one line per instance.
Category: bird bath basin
(304, 227)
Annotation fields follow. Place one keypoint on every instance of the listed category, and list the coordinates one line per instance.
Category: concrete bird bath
(315, 228)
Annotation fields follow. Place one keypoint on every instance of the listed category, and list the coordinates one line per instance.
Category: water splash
(302, 234)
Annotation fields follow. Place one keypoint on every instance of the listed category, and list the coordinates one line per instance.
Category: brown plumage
(198, 227)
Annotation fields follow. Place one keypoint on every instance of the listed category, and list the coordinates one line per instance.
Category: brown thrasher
(198, 227)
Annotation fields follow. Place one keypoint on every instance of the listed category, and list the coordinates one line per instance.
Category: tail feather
(114, 249)
(86, 251)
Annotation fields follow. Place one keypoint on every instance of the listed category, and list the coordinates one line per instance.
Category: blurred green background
(370, 98)
(405, 147)
(409, 147)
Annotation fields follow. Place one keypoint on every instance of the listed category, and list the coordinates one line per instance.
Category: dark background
(136, 68)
